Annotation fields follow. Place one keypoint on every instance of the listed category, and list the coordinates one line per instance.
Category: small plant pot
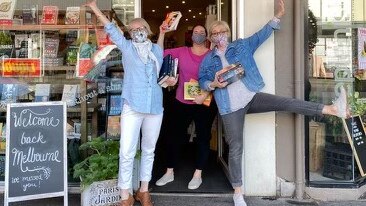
(102, 193)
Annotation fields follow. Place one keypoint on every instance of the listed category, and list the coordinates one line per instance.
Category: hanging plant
(312, 31)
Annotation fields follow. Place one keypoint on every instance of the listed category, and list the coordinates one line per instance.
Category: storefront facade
(284, 154)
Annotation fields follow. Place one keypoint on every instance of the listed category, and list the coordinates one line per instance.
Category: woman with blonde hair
(142, 101)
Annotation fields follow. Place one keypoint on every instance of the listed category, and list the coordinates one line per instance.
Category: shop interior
(214, 177)
(93, 108)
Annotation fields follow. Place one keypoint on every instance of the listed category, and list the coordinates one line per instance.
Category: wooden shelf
(76, 109)
(91, 108)
(47, 27)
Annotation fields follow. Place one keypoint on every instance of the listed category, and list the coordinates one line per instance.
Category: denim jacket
(242, 51)
(140, 88)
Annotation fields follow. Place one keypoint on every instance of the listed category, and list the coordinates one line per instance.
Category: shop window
(335, 59)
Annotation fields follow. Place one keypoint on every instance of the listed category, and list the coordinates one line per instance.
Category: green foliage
(312, 31)
(5, 38)
(101, 165)
(358, 107)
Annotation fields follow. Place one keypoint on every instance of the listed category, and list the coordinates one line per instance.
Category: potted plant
(99, 171)
(101, 165)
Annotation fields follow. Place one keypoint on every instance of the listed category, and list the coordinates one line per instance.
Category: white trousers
(131, 124)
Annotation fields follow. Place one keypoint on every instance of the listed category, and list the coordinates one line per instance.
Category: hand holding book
(171, 21)
(171, 81)
(202, 97)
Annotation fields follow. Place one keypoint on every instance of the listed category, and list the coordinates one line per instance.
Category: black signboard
(35, 151)
(357, 138)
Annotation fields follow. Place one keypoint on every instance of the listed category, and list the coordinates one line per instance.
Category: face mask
(139, 36)
(198, 38)
(220, 39)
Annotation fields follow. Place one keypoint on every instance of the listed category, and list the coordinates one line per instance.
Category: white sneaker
(194, 183)
(165, 179)
(239, 200)
(341, 104)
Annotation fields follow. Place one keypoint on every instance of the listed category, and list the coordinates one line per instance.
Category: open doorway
(214, 178)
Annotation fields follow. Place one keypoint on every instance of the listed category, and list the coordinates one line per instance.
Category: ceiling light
(189, 10)
(183, 2)
(222, 3)
(167, 7)
(153, 10)
(186, 19)
(194, 17)
(200, 13)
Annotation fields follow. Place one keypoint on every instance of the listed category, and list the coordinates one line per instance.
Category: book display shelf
(41, 60)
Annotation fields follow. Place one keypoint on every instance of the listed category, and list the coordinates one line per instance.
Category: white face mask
(139, 36)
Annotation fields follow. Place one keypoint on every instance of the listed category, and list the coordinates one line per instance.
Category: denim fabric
(242, 51)
(140, 88)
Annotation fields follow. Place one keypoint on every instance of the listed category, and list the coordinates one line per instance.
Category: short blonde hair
(219, 23)
(141, 21)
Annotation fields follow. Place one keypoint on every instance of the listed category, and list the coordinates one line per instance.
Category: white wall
(259, 136)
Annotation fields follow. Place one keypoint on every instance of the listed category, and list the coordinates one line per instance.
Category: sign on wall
(36, 157)
(18, 67)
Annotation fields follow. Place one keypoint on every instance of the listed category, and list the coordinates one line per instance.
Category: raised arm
(262, 35)
(92, 4)
(162, 34)
(115, 34)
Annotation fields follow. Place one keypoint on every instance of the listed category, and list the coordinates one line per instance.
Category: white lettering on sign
(28, 118)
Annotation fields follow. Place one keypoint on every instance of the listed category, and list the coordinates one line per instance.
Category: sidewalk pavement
(195, 200)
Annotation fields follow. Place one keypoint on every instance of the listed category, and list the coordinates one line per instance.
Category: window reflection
(336, 60)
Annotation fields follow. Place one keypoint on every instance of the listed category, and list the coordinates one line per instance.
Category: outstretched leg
(263, 102)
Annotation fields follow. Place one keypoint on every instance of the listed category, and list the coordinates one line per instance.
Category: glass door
(224, 13)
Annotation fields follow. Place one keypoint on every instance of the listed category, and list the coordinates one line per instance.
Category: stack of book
(168, 69)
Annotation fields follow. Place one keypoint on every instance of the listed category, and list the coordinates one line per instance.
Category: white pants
(131, 124)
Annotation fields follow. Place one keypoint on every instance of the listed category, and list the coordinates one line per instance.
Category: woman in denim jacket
(243, 96)
(142, 101)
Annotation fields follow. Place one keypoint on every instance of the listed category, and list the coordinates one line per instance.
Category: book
(172, 20)
(30, 14)
(115, 85)
(49, 15)
(168, 69)
(69, 94)
(103, 102)
(34, 46)
(7, 9)
(102, 38)
(102, 87)
(115, 105)
(9, 93)
(192, 89)
(18, 39)
(42, 93)
(231, 73)
(51, 47)
(72, 15)
(23, 51)
(113, 127)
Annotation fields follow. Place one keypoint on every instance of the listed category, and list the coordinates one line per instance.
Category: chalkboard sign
(36, 158)
(357, 138)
